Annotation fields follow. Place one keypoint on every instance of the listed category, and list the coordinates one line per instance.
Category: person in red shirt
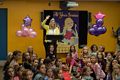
(65, 72)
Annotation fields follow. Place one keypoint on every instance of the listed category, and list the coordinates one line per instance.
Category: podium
(54, 37)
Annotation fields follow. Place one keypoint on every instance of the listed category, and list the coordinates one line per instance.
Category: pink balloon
(23, 26)
(99, 15)
(25, 29)
(25, 32)
(33, 34)
(19, 33)
(30, 30)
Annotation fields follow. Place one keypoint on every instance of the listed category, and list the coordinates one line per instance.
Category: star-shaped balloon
(27, 21)
(99, 15)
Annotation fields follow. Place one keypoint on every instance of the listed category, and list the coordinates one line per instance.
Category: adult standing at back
(52, 28)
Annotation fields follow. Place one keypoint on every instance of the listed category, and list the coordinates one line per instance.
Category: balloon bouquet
(98, 28)
(26, 31)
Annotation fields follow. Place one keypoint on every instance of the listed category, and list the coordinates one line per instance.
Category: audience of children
(93, 64)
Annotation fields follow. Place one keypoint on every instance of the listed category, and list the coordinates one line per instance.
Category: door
(3, 33)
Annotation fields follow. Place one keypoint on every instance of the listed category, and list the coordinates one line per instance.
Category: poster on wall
(68, 22)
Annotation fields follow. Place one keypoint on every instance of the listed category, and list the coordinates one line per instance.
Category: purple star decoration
(98, 28)
(27, 21)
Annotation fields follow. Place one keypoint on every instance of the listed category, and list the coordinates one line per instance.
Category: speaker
(83, 28)
(43, 16)
(47, 44)
(63, 5)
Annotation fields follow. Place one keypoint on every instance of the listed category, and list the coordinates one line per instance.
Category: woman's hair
(95, 58)
(39, 60)
(85, 48)
(117, 58)
(102, 48)
(55, 24)
(106, 53)
(84, 70)
(24, 57)
(48, 69)
(15, 53)
(19, 69)
(50, 46)
(25, 74)
(92, 46)
(39, 66)
(71, 47)
(111, 66)
(117, 65)
(101, 54)
(47, 61)
(28, 49)
(113, 73)
(6, 75)
(56, 72)
(57, 59)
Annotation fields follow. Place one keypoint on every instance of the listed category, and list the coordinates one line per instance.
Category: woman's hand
(47, 17)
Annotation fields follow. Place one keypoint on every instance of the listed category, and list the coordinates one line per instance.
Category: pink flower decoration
(99, 15)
